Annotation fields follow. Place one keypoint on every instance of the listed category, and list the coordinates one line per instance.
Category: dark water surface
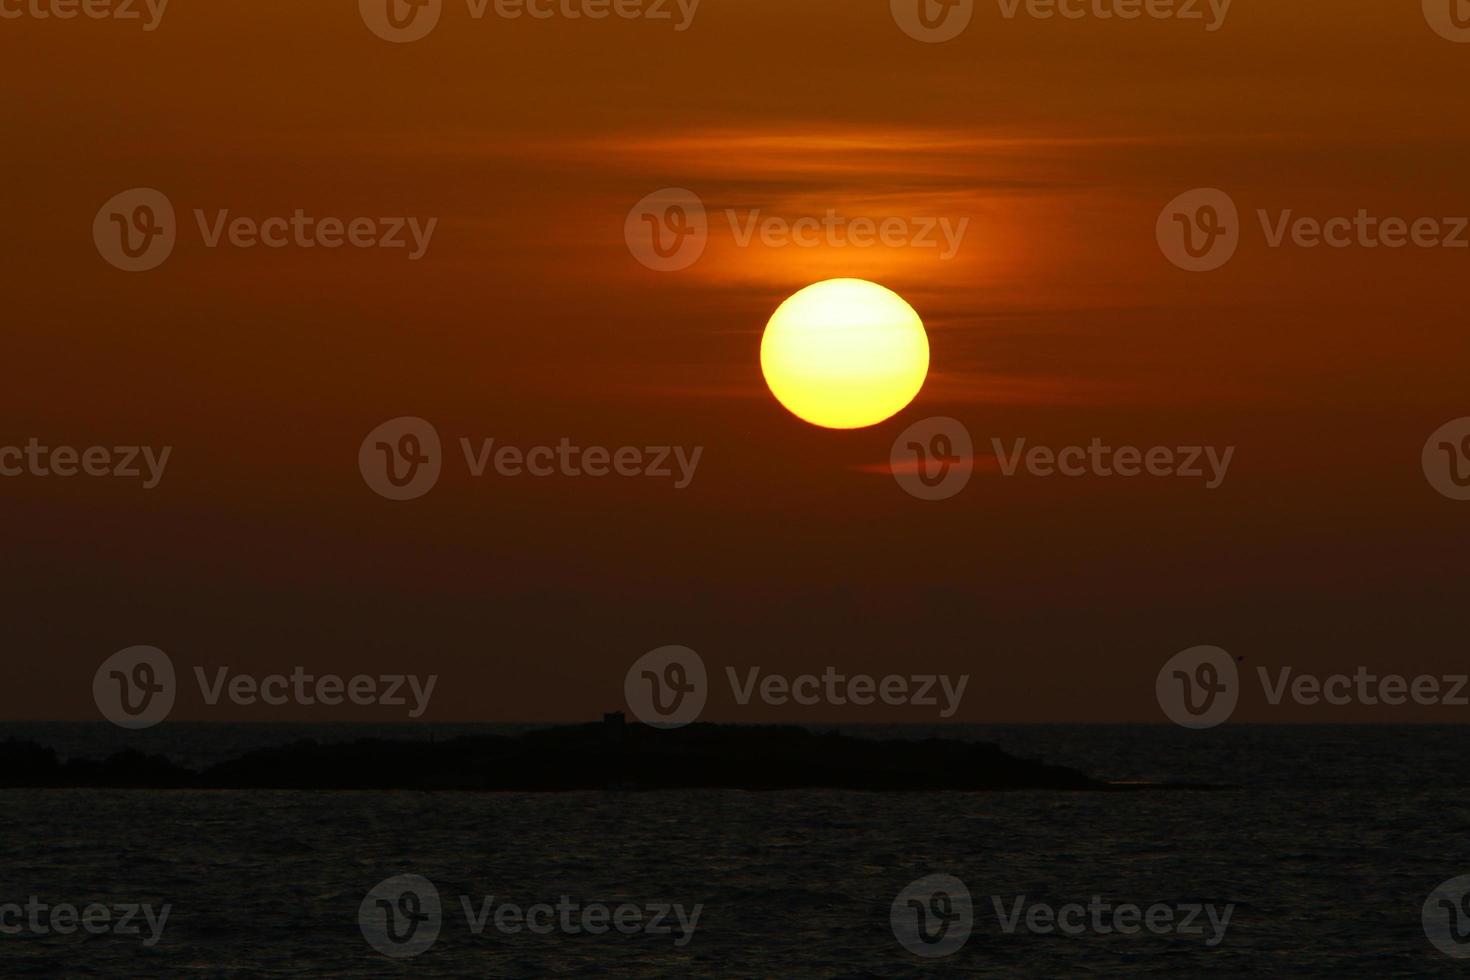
(1327, 850)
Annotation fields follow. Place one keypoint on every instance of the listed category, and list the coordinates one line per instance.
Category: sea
(1333, 849)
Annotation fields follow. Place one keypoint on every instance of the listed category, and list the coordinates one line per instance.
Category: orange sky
(528, 320)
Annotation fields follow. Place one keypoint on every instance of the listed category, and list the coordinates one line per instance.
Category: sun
(845, 353)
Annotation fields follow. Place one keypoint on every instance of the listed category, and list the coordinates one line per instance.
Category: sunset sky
(528, 320)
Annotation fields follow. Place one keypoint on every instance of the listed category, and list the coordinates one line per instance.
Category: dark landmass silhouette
(607, 756)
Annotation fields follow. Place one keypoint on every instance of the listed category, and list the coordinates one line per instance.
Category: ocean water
(1326, 848)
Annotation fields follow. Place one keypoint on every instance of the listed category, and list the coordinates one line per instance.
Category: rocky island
(612, 755)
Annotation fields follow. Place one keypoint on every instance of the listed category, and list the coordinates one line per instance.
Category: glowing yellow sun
(845, 353)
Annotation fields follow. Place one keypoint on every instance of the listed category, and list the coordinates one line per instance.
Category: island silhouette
(612, 755)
